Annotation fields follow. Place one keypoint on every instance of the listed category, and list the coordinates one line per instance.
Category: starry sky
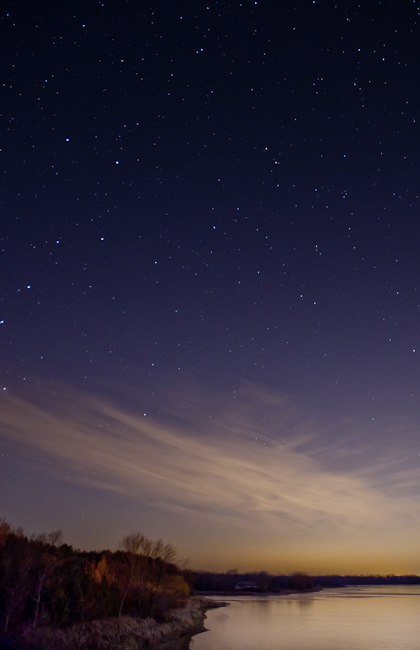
(210, 279)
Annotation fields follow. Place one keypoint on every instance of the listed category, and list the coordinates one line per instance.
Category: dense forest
(47, 584)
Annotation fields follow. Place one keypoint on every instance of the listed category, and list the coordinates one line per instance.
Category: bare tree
(147, 547)
(136, 542)
(133, 542)
(5, 530)
(55, 537)
(157, 548)
(168, 553)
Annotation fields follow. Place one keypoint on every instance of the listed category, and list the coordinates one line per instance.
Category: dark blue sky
(202, 197)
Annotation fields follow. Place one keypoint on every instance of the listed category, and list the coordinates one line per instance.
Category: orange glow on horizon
(225, 492)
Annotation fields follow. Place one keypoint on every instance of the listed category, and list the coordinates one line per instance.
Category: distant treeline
(263, 582)
(251, 582)
(43, 584)
(345, 581)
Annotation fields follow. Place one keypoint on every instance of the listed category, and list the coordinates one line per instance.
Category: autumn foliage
(46, 585)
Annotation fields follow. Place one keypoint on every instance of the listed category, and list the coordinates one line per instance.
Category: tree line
(45, 583)
(260, 582)
(263, 582)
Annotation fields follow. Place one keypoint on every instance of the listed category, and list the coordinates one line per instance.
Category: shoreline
(248, 592)
(176, 641)
(126, 633)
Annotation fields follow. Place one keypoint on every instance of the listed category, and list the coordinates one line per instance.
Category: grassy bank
(124, 633)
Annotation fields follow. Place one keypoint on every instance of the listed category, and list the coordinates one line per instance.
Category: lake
(353, 618)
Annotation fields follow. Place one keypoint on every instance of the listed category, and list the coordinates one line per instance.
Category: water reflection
(305, 603)
(374, 618)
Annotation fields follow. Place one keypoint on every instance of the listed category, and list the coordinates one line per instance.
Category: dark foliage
(261, 582)
(46, 585)
(345, 581)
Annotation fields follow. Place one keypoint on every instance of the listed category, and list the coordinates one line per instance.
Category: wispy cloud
(217, 457)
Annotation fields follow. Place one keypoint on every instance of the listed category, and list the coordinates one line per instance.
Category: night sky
(210, 279)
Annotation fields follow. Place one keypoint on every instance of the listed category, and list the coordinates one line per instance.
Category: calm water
(365, 618)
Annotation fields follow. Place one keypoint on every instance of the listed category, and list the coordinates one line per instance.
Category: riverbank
(200, 605)
(125, 633)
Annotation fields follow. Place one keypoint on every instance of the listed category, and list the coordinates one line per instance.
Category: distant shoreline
(248, 592)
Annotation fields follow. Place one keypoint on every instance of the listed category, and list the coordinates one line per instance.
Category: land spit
(125, 633)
